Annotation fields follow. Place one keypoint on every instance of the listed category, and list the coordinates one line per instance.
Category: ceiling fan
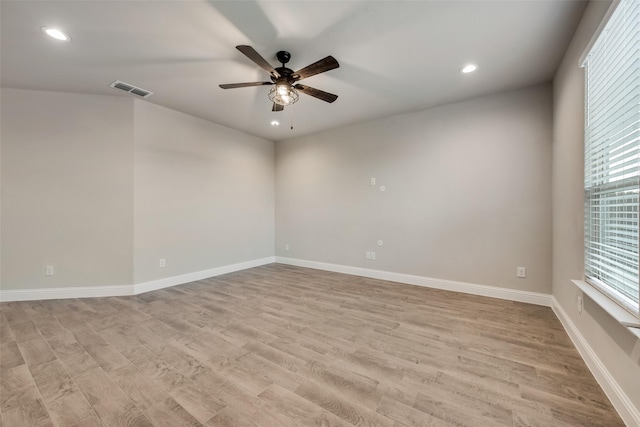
(285, 79)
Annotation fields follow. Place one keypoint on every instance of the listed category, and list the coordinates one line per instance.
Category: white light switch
(48, 271)
(163, 263)
(521, 272)
(373, 181)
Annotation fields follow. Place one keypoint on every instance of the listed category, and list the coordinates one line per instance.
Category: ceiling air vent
(131, 89)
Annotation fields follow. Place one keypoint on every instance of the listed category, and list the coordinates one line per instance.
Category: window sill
(618, 313)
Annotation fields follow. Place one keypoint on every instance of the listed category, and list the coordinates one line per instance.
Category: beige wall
(468, 192)
(102, 187)
(616, 347)
(67, 189)
(204, 194)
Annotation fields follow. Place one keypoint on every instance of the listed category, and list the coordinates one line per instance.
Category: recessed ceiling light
(275, 123)
(469, 68)
(56, 34)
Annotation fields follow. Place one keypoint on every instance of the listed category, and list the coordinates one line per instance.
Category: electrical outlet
(163, 263)
(367, 255)
(373, 181)
(580, 304)
(286, 247)
(373, 255)
(521, 272)
(48, 270)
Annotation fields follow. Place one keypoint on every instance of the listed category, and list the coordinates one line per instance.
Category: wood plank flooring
(286, 346)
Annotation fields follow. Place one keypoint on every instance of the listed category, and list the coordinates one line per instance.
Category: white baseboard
(154, 285)
(629, 413)
(123, 290)
(448, 285)
(65, 293)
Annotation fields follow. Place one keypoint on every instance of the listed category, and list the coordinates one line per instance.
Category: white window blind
(612, 157)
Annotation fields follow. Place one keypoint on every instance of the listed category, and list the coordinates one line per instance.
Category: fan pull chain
(291, 120)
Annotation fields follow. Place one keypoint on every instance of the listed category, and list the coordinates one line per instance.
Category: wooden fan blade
(325, 64)
(277, 107)
(251, 53)
(237, 85)
(316, 93)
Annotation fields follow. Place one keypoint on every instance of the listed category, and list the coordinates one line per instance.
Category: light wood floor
(286, 346)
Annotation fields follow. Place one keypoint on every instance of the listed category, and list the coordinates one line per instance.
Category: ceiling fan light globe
(283, 90)
(289, 97)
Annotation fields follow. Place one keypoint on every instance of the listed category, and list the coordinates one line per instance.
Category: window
(612, 157)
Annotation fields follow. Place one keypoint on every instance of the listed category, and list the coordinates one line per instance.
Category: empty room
(270, 213)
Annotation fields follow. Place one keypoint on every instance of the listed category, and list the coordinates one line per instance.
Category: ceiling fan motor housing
(286, 75)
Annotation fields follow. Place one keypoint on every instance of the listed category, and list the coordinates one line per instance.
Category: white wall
(468, 192)
(614, 345)
(204, 194)
(102, 187)
(67, 189)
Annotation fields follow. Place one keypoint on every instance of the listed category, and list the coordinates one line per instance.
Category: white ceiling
(395, 56)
